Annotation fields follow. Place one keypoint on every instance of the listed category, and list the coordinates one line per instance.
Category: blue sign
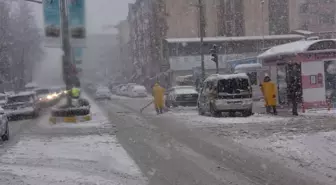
(77, 18)
(52, 19)
(78, 55)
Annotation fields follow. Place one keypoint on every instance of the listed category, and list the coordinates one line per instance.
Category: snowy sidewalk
(45, 157)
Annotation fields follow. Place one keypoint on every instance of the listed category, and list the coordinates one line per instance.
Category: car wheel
(35, 115)
(247, 113)
(232, 114)
(214, 113)
(5, 137)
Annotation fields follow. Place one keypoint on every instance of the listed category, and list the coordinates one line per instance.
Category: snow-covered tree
(20, 42)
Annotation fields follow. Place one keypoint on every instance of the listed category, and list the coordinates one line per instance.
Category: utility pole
(202, 34)
(263, 24)
(66, 47)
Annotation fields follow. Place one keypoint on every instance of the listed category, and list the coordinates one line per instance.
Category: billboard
(52, 23)
(77, 24)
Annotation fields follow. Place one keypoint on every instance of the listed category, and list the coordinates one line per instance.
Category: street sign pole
(66, 47)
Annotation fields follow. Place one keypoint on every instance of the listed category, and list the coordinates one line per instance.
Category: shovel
(143, 108)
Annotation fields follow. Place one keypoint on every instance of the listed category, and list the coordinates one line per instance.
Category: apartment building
(124, 57)
(151, 21)
(257, 17)
(317, 15)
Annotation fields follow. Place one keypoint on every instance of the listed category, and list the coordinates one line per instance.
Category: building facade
(123, 38)
(257, 17)
(317, 15)
(152, 21)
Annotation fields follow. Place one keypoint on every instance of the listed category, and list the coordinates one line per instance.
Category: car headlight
(49, 97)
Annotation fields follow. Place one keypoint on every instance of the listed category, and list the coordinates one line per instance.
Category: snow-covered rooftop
(289, 48)
(219, 39)
(31, 85)
(229, 76)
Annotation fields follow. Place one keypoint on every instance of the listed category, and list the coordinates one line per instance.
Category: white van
(226, 93)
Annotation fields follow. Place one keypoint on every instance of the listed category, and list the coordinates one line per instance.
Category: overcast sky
(99, 13)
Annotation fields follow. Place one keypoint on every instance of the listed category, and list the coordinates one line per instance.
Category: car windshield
(42, 91)
(233, 85)
(138, 87)
(19, 99)
(185, 91)
(103, 90)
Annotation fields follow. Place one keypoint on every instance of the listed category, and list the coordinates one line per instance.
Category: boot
(275, 110)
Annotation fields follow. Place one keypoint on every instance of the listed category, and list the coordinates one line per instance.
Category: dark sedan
(181, 96)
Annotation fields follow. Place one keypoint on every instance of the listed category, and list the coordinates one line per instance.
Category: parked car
(115, 89)
(103, 93)
(3, 98)
(226, 93)
(4, 128)
(43, 94)
(122, 90)
(22, 104)
(137, 91)
(181, 96)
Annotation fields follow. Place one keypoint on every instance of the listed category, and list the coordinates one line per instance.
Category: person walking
(158, 94)
(268, 89)
(294, 87)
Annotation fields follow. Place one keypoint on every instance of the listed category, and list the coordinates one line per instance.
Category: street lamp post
(202, 34)
(263, 24)
(66, 46)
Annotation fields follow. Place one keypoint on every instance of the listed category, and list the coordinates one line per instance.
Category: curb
(70, 119)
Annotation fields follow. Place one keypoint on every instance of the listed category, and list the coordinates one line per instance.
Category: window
(304, 8)
(326, 19)
(313, 79)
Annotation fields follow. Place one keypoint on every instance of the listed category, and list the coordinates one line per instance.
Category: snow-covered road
(69, 154)
(303, 144)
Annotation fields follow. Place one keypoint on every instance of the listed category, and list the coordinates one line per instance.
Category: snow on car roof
(289, 48)
(219, 39)
(229, 76)
(31, 84)
(25, 93)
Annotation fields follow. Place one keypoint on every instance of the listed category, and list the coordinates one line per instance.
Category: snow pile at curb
(315, 152)
(69, 160)
(192, 118)
(320, 112)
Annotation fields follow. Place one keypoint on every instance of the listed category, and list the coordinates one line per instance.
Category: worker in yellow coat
(268, 89)
(158, 93)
